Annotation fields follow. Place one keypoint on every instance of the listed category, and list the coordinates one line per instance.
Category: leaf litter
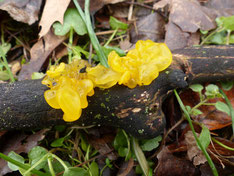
(176, 22)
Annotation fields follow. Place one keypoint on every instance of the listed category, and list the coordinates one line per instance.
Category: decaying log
(138, 111)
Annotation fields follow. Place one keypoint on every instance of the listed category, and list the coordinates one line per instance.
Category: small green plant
(211, 91)
(130, 147)
(204, 134)
(223, 33)
(4, 48)
(44, 163)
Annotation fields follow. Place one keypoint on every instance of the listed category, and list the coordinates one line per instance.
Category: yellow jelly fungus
(70, 84)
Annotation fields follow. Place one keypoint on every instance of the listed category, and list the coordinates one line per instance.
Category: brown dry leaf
(175, 38)
(19, 143)
(53, 11)
(221, 7)
(148, 27)
(190, 16)
(103, 145)
(15, 67)
(221, 150)
(126, 45)
(186, 18)
(126, 168)
(168, 165)
(39, 53)
(95, 5)
(193, 152)
(25, 11)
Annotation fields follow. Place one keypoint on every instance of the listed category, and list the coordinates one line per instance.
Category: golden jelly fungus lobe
(70, 84)
(142, 64)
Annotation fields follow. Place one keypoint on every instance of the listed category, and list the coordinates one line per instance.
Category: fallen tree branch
(138, 111)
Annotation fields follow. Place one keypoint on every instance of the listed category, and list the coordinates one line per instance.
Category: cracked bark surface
(138, 110)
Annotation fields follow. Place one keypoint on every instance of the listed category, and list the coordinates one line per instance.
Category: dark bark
(138, 111)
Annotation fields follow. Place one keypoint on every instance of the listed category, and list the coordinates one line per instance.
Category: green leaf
(196, 87)
(75, 171)
(35, 154)
(72, 20)
(16, 157)
(22, 171)
(5, 47)
(221, 106)
(205, 136)
(140, 156)
(84, 144)
(204, 32)
(226, 22)
(196, 112)
(212, 91)
(227, 85)
(108, 163)
(37, 75)
(150, 144)
(188, 108)
(116, 24)
(58, 142)
(120, 140)
(122, 151)
(60, 128)
(108, 49)
(77, 51)
(94, 169)
(57, 166)
(4, 76)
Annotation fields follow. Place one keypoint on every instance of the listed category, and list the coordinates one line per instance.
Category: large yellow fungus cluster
(70, 84)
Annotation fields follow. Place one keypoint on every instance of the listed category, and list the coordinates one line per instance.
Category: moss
(103, 105)
(97, 116)
(141, 131)
(107, 99)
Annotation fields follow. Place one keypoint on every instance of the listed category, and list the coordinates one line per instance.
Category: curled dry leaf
(168, 165)
(39, 53)
(193, 152)
(53, 11)
(25, 11)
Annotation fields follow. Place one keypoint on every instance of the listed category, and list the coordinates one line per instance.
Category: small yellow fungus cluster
(70, 84)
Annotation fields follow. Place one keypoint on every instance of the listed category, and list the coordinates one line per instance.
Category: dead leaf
(95, 5)
(221, 7)
(25, 11)
(126, 168)
(168, 165)
(175, 38)
(221, 150)
(53, 11)
(186, 18)
(193, 152)
(15, 67)
(39, 53)
(126, 45)
(190, 16)
(148, 27)
(19, 143)
(102, 143)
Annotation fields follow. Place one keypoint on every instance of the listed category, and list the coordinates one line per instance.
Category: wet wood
(138, 111)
